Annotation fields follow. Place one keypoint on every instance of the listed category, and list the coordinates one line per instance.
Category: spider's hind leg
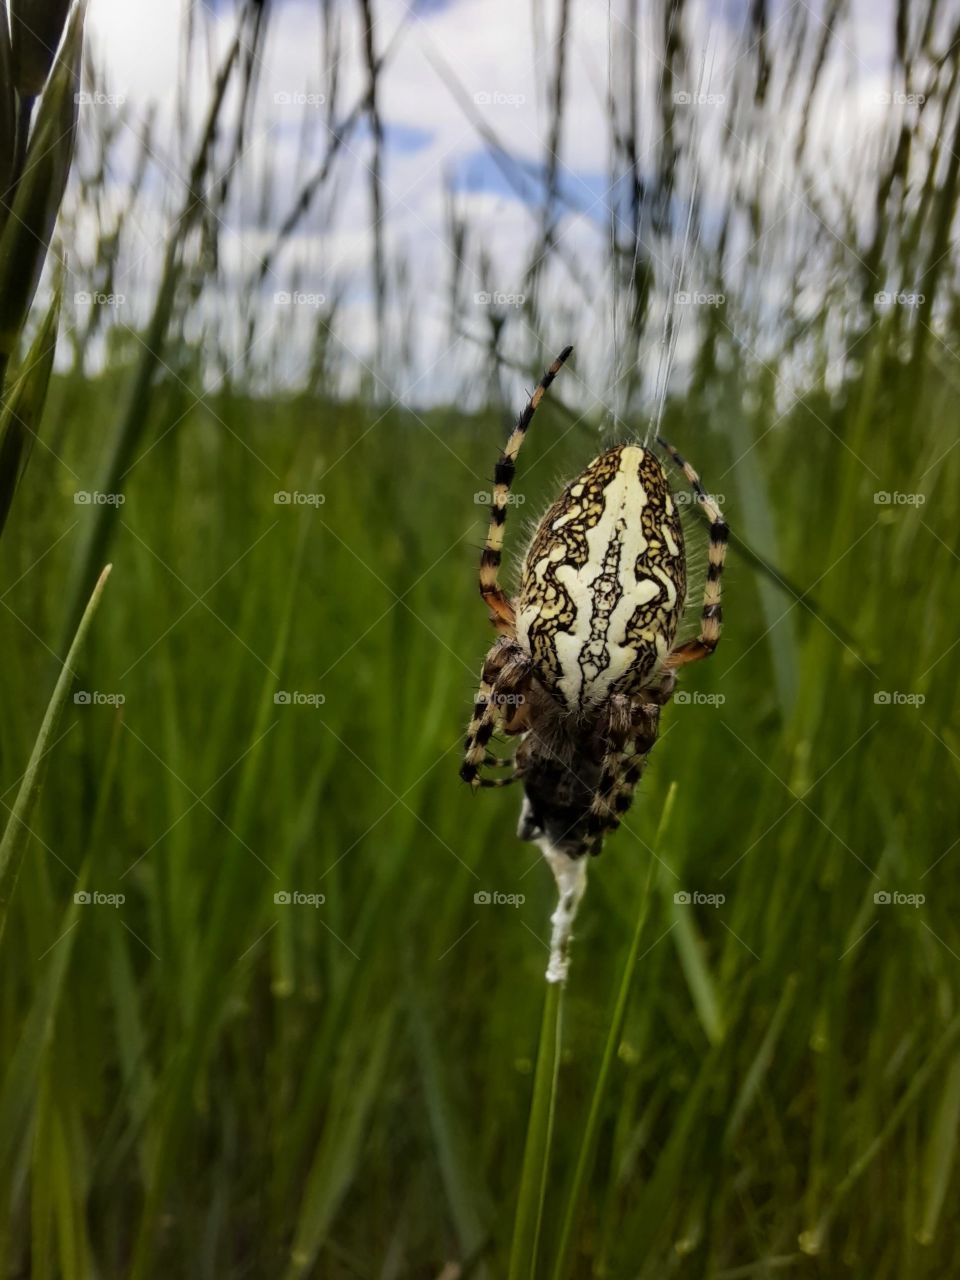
(623, 766)
(602, 817)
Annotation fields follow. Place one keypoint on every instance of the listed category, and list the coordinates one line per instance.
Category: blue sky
(503, 63)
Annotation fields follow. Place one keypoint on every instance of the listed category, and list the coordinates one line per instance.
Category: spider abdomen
(604, 581)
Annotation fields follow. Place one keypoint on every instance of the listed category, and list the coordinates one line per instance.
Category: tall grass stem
(536, 1155)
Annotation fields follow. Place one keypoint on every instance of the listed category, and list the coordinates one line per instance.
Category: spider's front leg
(500, 701)
(501, 606)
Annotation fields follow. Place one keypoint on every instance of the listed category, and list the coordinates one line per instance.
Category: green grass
(199, 1079)
(202, 1082)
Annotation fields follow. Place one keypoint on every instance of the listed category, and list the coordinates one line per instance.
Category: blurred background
(271, 977)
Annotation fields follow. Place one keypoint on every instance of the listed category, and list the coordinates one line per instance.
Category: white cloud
(505, 69)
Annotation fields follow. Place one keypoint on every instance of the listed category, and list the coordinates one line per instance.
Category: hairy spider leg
(506, 673)
(622, 771)
(711, 617)
(501, 609)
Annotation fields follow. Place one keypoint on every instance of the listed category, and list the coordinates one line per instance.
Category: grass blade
(358, 1082)
(589, 1140)
(24, 407)
(468, 1199)
(702, 985)
(536, 1155)
(14, 841)
(36, 203)
(941, 1153)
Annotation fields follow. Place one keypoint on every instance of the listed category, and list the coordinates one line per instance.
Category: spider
(586, 656)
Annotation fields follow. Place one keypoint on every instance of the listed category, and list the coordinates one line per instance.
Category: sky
(501, 55)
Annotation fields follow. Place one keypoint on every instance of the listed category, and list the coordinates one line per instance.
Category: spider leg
(711, 617)
(499, 782)
(622, 770)
(603, 814)
(479, 732)
(602, 817)
(491, 761)
(505, 674)
(501, 610)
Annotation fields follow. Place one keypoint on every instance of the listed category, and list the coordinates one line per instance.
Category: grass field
(272, 991)
(218, 1081)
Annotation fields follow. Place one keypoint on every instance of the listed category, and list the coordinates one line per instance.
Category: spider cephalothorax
(586, 655)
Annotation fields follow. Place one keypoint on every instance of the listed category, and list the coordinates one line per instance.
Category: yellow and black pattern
(711, 615)
(654, 624)
(559, 543)
(501, 609)
(604, 579)
(586, 655)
